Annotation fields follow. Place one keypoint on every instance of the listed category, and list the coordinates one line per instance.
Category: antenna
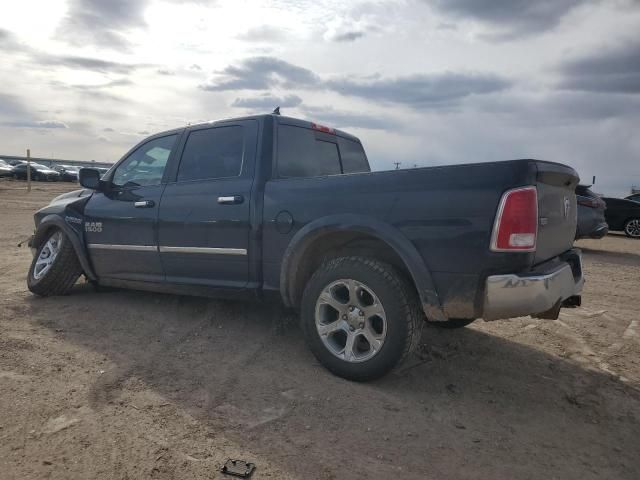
(397, 164)
(276, 111)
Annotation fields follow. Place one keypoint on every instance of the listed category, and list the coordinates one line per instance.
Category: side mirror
(89, 178)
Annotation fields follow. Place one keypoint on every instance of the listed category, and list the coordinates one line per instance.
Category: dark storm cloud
(421, 90)
(511, 18)
(612, 70)
(261, 73)
(268, 102)
(416, 91)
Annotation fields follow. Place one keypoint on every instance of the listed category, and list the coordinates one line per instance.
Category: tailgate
(557, 210)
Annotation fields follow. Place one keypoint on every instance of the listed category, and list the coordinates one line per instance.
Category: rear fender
(306, 236)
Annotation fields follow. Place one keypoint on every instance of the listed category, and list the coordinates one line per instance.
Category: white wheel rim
(351, 320)
(47, 255)
(633, 228)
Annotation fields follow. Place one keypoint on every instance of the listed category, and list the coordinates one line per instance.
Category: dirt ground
(122, 384)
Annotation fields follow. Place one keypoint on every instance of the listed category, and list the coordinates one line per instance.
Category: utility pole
(28, 170)
(397, 164)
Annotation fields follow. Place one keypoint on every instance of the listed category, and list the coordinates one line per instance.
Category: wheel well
(42, 235)
(339, 244)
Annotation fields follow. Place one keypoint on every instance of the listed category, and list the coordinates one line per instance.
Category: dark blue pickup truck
(270, 206)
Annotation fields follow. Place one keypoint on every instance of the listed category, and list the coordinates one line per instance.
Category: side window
(301, 154)
(212, 153)
(145, 165)
(353, 158)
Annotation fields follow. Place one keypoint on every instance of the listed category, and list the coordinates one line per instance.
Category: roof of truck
(280, 119)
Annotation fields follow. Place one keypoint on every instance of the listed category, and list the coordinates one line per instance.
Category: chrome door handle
(144, 204)
(231, 200)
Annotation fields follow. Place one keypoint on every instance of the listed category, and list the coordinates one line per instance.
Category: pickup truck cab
(270, 206)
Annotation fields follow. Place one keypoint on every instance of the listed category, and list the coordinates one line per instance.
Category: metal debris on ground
(238, 468)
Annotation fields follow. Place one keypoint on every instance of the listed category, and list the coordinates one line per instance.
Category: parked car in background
(6, 170)
(623, 216)
(39, 173)
(13, 163)
(634, 198)
(68, 173)
(591, 219)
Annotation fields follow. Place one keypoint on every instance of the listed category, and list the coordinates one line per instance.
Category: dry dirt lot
(122, 384)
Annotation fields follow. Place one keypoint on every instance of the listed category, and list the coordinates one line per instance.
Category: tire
(60, 274)
(386, 311)
(632, 228)
(453, 323)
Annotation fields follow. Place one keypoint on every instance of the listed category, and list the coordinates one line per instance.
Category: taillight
(516, 225)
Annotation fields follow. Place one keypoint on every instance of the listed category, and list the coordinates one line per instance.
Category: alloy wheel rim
(633, 228)
(47, 255)
(351, 320)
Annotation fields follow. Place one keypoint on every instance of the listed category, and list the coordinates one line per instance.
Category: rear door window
(302, 154)
(212, 153)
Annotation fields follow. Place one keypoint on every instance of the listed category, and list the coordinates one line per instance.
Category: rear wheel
(360, 317)
(632, 228)
(55, 266)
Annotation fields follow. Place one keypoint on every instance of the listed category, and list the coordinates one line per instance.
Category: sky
(419, 82)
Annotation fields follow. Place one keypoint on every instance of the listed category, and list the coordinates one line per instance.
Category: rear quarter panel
(446, 212)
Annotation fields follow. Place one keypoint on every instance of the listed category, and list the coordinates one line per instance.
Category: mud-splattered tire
(453, 323)
(360, 317)
(55, 266)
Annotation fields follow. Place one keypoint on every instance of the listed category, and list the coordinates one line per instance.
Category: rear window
(212, 153)
(301, 154)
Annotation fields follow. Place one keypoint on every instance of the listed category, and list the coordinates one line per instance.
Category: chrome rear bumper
(536, 292)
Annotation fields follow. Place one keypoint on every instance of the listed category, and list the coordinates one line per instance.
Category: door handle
(231, 200)
(144, 204)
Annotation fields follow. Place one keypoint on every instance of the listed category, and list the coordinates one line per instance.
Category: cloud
(510, 18)
(105, 23)
(345, 119)
(348, 36)
(86, 63)
(612, 70)
(264, 33)
(102, 22)
(416, 91)
(267, 101)
(261, 73)
(420, 90)
(35, 124)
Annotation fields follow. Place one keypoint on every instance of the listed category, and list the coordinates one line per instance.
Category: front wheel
(360, 317)
(632, 228)
(55, 266)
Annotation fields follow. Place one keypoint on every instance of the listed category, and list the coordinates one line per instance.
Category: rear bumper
(536, 292)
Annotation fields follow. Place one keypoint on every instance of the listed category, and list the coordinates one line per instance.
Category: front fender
(306, 236)
(51, 221)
